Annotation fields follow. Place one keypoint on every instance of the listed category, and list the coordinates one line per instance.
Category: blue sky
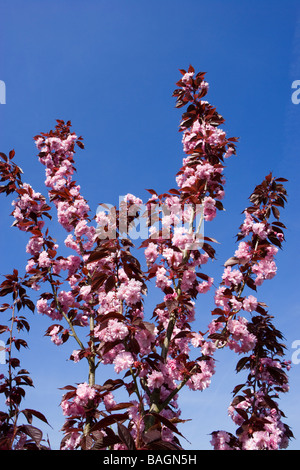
(111, 67)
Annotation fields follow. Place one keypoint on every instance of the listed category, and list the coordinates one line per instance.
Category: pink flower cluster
(201, 133)
(80, 401)
(261, 229)
(214, 180)
(114, 331)
(241, 340)
(221, 441)
(77, 405)
(130, 291)
(232, 276)
(46, 309)
(54, 335)
(28, 203)
(265, 269)
(56, 153)
(256, 413)
(271, 436)
(202, 380)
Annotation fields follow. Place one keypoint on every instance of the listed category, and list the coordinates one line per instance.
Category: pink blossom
(81, 206)
(109, 401)
(235, 416)
(243, 253)
(208, 348)
(163, 316)
(209, 208)
(214, 326)
(188, 279)
(191, 138)
(17, 213)
(114, 331)
(72, 264)
(247, 224)
(71, 408)
(162, 281)
(220, 193)
(221, 299)
(54, 335)
(136, 419)
(173, 257)
(260, 229)
(85, 292)
(81, 228)
(123, 361)
(73, 281)
(42, 306)
(204, 286)
(54, 143)
(236, 305)
(39, 142)
(34, 245)
(204, 257)
(44, 260)
(76, 355)
(102, 219)
(181, 238)
(202, 380)
(228, 152)
(232, 276)
(65, 214)
(109, 302)
(238, 327)
(197, 340)
(130, 291)
(250, 303)
(264, 269)
(30, 265)
(240, 333)
(85, 393)
(271, 252)
(155, 379)
(206, 171)
(220, 440)
(131, 199)
(66, 299)
(151, 253)
(214, 135)
(72, 442)
(71, 243)
(145, 339)
(187, 78)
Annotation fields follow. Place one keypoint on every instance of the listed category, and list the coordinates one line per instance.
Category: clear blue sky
(111, 67)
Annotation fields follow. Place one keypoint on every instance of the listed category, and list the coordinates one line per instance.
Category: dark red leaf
(33, 432)
(108, 421)
(110, 283)
(126, 437)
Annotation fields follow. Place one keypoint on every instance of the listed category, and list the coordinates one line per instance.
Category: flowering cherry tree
(95, 296)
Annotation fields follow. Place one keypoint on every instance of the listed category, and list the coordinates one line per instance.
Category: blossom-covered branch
(100, 288)
(254, 407)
